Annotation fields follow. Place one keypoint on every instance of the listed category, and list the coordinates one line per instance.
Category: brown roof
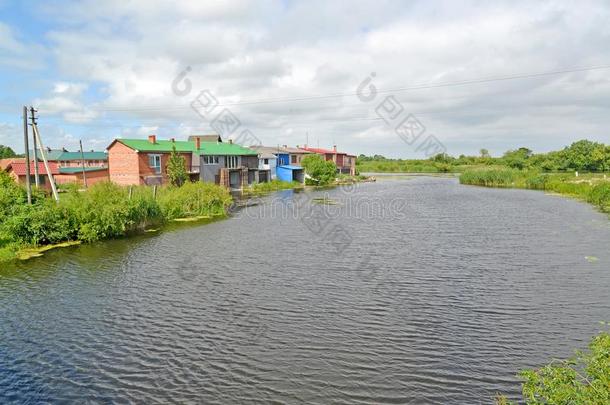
(19, 168)
(206, 138)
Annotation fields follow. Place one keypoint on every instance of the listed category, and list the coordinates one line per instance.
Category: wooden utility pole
(46, 163)
(82, 162)
(28, 185)
(35, 149)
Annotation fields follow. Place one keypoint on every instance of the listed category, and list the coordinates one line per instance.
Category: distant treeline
(583, 155)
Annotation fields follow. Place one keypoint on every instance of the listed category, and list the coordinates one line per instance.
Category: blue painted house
(287, 163)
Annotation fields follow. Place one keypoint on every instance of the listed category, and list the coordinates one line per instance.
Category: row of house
(207, 158)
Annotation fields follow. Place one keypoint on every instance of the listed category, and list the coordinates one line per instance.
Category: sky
(468, 74)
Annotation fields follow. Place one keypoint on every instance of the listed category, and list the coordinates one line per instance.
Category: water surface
(410, 291)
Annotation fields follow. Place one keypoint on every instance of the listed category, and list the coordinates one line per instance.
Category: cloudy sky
(289, 71)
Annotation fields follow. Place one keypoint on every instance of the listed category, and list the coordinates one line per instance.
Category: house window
(294, 158)
(210, 160)
(266, 161)
(43, 179)
(232, 162)
(154, 161)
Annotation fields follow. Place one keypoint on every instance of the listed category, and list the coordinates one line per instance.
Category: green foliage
(322, 172)
(490, 177)
(176, 168)
(6, 152)
(517, 159)
(584, 379)
(193, 199)
(274, 185)
(104, 211)
(584, 156)
(592, 188)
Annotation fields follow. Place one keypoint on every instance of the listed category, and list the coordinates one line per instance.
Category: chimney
(334, 148)
(197, 142)
(152, 138)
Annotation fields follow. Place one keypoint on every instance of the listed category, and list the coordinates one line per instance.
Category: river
(403, 291)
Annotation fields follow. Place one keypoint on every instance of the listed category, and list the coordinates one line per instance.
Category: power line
(382, 91)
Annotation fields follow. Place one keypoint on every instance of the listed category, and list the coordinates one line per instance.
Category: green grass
(590, 187)
(274, 185)
(104, 211)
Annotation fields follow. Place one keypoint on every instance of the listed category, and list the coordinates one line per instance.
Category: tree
(176, 168)
(484, 153)
(322, 172)
(6, 152)
(585, 155)
(517, 159)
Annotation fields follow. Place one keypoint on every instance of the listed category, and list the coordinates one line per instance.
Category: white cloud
(132, 51)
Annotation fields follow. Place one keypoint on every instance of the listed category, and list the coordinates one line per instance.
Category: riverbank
(593, 188)
(104, 211)
(108, 211)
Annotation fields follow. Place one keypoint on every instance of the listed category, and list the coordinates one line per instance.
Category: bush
(274, 185)
(600, 196)
(322, 172)
(585, 379)
(193, 199)
(104, 211)
(490, 177)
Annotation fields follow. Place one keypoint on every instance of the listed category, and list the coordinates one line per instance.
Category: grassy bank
(592, 188)
(104, 211)
(583, 379)
(274, 185)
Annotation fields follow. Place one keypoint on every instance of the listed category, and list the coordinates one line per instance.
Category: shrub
(585, 379)
(193, 199)
(104, 211)
(322, 172)
(490, 177)
(274, 185)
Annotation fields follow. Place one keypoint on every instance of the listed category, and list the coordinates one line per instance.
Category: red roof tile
(320, 150)
(19, 168)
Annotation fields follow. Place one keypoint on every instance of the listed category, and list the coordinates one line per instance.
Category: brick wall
(127, 167)
(123, 165)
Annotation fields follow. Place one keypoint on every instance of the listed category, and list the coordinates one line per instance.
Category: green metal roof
(52, 154)
(88, 156)
(207, 148)
(223, 149)
(60, 154)
(69, 170)
(143, 145)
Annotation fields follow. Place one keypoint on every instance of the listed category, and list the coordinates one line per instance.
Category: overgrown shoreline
(593, 188)
(586, 377)
(104, 211)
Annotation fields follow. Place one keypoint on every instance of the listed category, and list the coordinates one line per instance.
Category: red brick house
(17, 170)
(144, 161)
(62, 175)
(345, 162)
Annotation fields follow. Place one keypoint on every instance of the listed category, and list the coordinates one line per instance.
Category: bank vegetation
(104, 211)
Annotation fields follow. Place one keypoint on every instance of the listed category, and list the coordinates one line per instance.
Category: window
(42, 178)
(265, 161)
(232, 162)
(210, 160)
(294, 158)
(154, 161)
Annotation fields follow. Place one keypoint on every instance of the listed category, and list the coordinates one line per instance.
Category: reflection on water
(443, 298)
